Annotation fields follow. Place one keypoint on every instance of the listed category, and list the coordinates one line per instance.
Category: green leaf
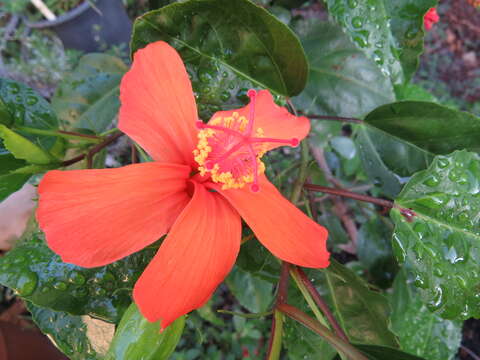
(360, 311)
(9, 183)
(389, 160)
(137, 338)
(28, 109)
(88, 97)
(68, 332)
(389, 32)
(342, 81)
(413, 92)
(374, 250)
(375, 352)
(254, 294)
(24, 149)
(419, 331)
(304, 344)
(407, 29)
(228, 46)
(5, 117)
(39, 276)
(429, 126)
(257, 260)
(441, 244)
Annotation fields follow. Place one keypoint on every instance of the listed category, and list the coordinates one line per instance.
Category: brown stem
(134, 156)
(283, 283)
(408, 213)
(321, 303)
(93, 150)
(282, 292)
(335, 118)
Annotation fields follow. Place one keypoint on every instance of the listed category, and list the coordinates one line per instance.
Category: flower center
(230, 150)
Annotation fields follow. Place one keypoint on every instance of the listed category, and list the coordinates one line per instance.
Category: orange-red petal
(275, 121)
(284, 230)
(158, 107)
(95, 217)
(193, 260)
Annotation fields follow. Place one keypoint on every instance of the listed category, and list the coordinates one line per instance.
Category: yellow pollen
(207, 139)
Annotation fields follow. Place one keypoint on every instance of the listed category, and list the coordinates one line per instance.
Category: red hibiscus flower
(204, 179)
(430, 18)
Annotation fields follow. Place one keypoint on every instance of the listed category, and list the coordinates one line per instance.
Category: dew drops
(224, 96)
(31, 100)
(398, 249)
(76, 278)
(442, 163)
(455, 175)
(378, 57)
(357, 22)
(14, 88)
(360, 41)
(352, 4)
(60, 285)
(419, 282)
(26, 283)
(432, 181)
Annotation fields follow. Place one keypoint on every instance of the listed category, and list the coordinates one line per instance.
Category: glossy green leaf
(228, 47)
(39, 276)
(342, 81)
(432, 127)
(389, 32)
(9, 183)
(254, 294)
(389, 160)
(419, 331)
(88, 97)
(360, 311)
(28, 109)
(137, 338)
(22, 148)
(68, 332)
(441, 245)
(406, 24)
(375, 352)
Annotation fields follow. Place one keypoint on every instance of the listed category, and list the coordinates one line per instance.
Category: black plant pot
(91, 29)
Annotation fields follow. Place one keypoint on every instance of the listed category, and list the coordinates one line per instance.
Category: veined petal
(158, 107)
(95, 217)
(284, 230)
(193, 260)
(274, 121)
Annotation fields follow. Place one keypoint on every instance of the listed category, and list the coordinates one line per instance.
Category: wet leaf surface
(228, 47)
(441, 245)
(39, 276)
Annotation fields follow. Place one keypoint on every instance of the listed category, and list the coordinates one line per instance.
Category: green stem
(275, 345)
(302, 173)
(299, 274)
(308, 298)
(59, 133)
(341, 345)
